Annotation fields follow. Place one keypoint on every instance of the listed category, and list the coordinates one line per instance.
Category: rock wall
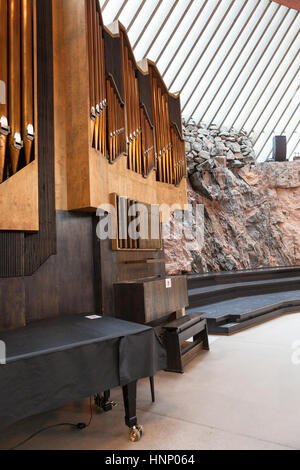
(210, 147)
(251, 215)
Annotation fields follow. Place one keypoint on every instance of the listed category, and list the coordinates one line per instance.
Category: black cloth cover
(53, 362)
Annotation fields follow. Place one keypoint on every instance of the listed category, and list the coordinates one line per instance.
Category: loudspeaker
(279, 148)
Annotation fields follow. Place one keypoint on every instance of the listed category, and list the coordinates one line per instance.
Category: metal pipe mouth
(93, 113)
(98, 112)
(18, 142)
(4, 127)
(30, 134)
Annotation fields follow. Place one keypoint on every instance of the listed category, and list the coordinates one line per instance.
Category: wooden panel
(159, 299)
(105, 269)
(134, 265)
(12, 303)
(146, 301)
(41, 245)
(11, 254)
(65, 283)
(19, 201)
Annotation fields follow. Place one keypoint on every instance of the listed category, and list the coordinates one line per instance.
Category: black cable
(79, 426)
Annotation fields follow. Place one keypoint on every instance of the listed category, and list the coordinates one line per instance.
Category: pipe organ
(149, 144)
(17, 73)
(81, 122)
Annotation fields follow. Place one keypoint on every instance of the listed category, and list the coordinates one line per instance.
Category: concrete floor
(244, 394)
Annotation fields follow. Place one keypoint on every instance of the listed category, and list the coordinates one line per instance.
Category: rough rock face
(251, 219)
(210, 147)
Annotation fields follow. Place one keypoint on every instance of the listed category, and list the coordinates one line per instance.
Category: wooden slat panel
(11, 254)
(39, 246)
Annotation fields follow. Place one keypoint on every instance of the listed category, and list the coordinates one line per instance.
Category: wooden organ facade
(82, 125)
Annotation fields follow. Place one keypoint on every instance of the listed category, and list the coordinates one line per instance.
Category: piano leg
(152, 386)
(103, 401)
(129, 396)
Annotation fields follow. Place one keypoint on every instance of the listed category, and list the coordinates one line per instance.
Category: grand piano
(53, 362)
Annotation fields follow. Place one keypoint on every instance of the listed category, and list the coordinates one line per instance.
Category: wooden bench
(176, 334)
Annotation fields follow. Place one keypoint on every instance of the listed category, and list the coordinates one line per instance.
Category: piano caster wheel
(136, 433)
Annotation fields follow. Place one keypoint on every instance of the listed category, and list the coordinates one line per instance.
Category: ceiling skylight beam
(223, 61)
(273, 94)
(161, 27)
(185, 36)
(261, 95)
(278, 120)
(258, 43)
(174, 31)
(298, 143)
(285, 132)
(147, 23)
(136, 15)
(200, 36)
(234, 63)
(218, 48)
(120, 10)
(271, 77)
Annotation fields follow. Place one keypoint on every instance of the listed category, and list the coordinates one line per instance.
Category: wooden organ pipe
(27, 78)
(14, 80)
(4, 127)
